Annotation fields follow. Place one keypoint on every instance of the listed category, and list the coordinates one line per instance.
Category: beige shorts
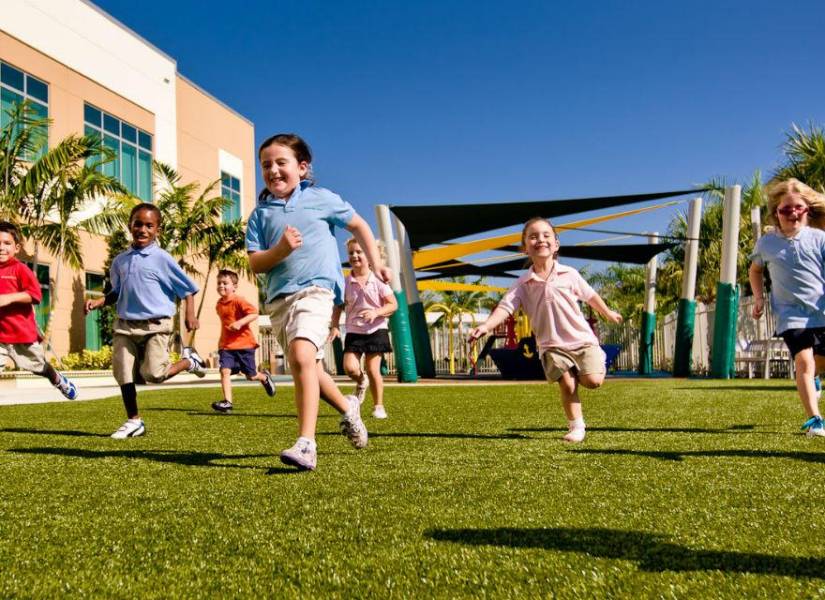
(26, 357)
(587, 361)
(141, 342)
(306, 314)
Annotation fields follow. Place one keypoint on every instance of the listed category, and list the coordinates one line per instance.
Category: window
(94, 290)
(41, 311)
(132, 148)
(17, 86)
(231, 190)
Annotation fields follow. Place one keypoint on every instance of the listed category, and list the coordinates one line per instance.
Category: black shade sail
(434, 224)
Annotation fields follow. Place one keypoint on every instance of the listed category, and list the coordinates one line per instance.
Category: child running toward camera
(145, 282)
(19, 336)
(368, 302)
(549, 293)
(236, 348)
(794, 253)
(290, 238)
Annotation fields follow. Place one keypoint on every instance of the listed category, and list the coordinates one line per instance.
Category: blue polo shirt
(797, 279)
(315, 212)
(148, 281)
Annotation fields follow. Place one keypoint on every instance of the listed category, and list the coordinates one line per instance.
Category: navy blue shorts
(238, 361)
(800, 339)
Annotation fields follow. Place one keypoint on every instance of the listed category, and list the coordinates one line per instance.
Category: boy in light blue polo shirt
(146, 281)
(794, 254)
(290, 237)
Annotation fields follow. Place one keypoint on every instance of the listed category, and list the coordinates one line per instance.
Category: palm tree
(804, 153)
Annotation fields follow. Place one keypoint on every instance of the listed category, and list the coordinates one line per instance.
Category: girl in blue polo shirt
(794, 253)
(290, 238)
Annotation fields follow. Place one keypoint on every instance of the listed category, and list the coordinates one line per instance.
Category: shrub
(88, 360)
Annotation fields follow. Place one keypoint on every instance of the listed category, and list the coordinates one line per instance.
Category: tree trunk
(200, 305)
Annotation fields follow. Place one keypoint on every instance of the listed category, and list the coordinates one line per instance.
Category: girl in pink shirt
(549, 293)
(368, 302)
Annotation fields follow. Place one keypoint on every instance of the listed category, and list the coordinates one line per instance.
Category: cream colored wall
(205, 127)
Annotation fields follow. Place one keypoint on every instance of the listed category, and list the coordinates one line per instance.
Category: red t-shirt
(230, 310)
(17, 324)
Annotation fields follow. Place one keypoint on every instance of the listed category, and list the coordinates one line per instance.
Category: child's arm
(243, 321)
(189, 318)
(15, 298)
(600, 307)
(334, 331)
(496, 318)
(755, 275)
(389, 307)
(262, 261)
(363, 235)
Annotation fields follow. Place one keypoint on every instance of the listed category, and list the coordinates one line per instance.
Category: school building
(90, 73)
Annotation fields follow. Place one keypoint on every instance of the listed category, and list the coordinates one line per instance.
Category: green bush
(88, 360)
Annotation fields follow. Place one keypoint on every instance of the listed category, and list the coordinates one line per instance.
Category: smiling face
(8, 247)
(144, 227)
(792, 214)
(281, 171)
(539, 241)
(226, 287)
(357, 258)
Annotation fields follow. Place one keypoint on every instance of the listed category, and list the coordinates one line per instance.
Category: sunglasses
(789, 210)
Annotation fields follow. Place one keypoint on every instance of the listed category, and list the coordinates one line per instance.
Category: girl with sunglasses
(794, 253)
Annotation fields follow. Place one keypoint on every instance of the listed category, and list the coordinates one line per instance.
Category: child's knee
(591, 382)
(154, 373)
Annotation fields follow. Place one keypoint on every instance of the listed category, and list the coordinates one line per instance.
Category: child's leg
(373, 363)
(302, 363)
(329, 390)
(805, 366)
(226, 383)
(124, 356)
(352, 365)
(570, 401)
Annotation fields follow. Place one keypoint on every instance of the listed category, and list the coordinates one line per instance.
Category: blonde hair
(777, 190)
(382, 249)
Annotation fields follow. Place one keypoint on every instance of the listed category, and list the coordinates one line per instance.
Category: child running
(290, 238)
(19, 336)
(146, 281)
(794, 253)
(549, 293)
(237, 345)
(368, 302)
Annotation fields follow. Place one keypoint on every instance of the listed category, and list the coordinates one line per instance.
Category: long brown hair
(524, 236)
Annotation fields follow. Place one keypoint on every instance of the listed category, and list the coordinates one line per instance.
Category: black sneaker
(268, 383)
(224, 406)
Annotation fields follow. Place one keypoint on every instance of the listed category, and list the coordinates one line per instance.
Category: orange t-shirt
(230, 310)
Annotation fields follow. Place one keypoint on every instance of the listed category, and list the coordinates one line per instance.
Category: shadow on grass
(650, 551)
(813, 457)
(213, 413)
(731, 429)
(741, 388)
(189, 459)
(69, 432)
(458, 435)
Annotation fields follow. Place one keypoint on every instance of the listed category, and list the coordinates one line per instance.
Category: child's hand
(334, 332)
(290, 240)
(91, 305)
(368, 314)
(613, 316)
(478, 332)
(236, 326)
(192, 323)
(384, 273)
(758, 307)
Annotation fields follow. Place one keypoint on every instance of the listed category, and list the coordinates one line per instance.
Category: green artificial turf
(682, 489)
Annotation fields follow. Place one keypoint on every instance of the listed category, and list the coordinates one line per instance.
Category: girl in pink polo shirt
(368, 302)
(550, 293)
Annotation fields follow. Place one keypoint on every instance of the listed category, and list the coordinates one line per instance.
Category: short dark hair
(227, 273)
(146, 206)
(12, 229)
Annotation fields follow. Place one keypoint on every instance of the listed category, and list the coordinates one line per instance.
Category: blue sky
(458, 101)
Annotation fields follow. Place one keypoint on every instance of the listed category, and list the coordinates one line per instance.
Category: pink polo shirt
(553, 308)
(358, 298)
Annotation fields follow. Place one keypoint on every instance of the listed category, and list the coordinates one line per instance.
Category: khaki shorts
(587, 361)
(306, 314)
(141, 342)
(26, 357)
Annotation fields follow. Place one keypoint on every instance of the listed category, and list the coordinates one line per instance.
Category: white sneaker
(379, 412)
(575, 435)
(131, 428)
(197, 365)
(352, 426)
(302, 455)
(361, 386)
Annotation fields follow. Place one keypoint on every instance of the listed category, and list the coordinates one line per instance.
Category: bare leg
(352, 365)
(569, 397)
(591, 381)
(329, 390)
(226, 384)
(301, 356)
(805, 370)
(373, 362)
(182, 365)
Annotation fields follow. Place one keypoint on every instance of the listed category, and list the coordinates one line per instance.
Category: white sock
(309, 442)
(576, 424)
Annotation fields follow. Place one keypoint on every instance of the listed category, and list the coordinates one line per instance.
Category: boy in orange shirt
(237, 344)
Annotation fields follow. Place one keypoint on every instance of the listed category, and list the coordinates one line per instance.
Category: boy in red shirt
(237, 345)
(19, 337)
